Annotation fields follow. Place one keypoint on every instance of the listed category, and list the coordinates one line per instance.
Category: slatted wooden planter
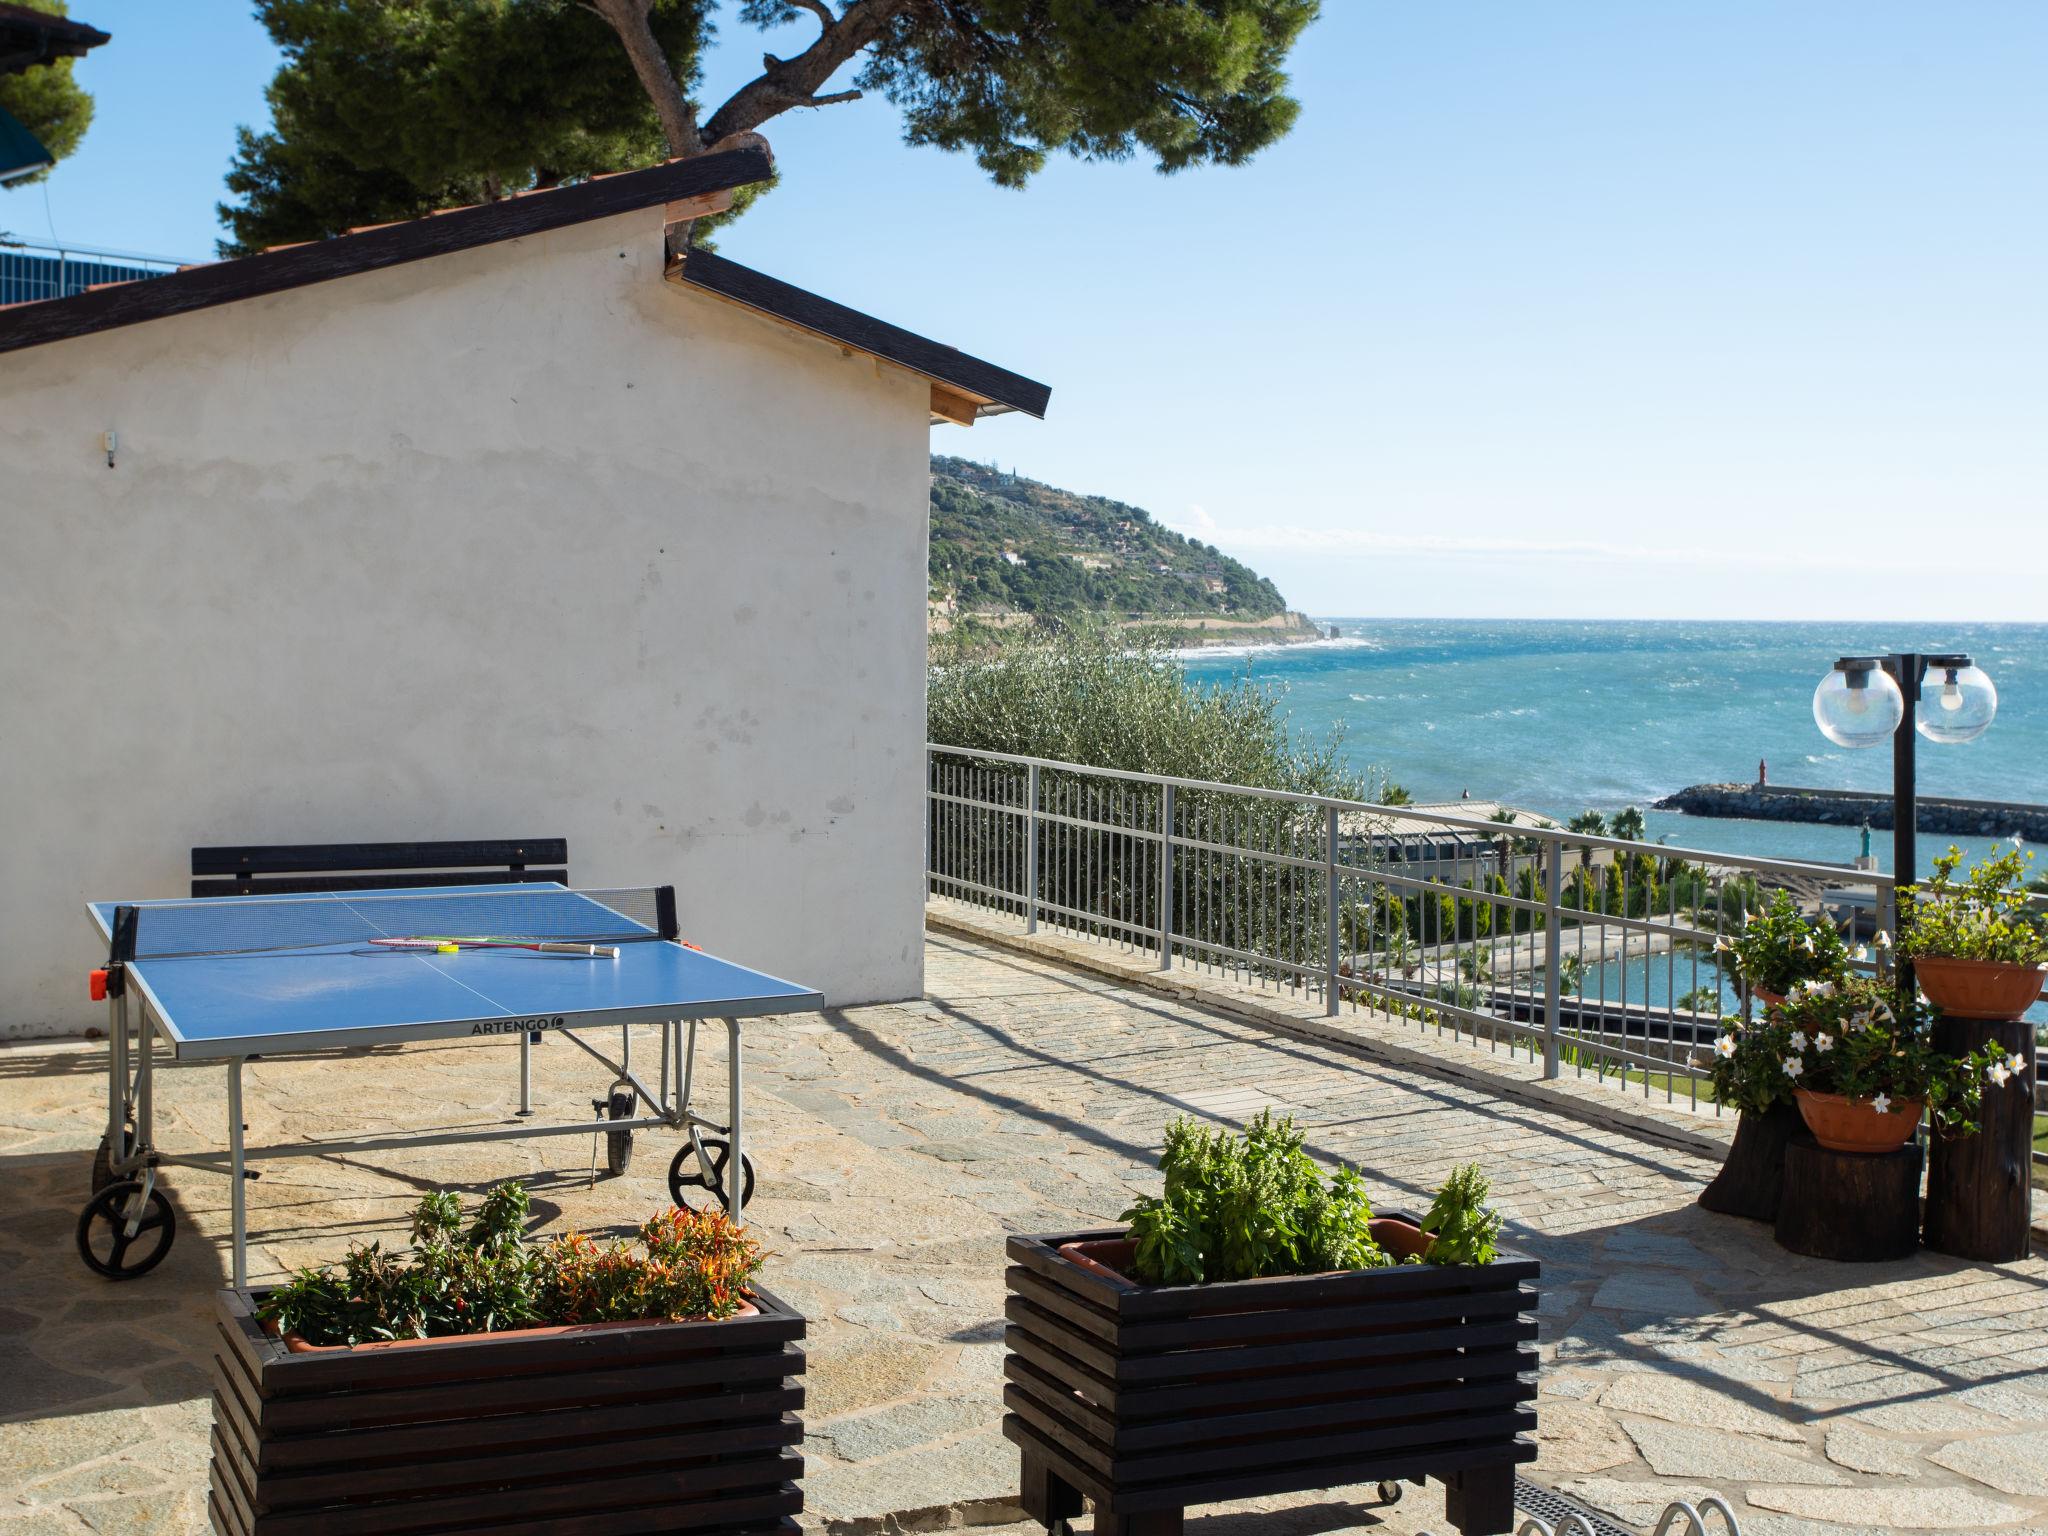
(620, 1429)
(1149, 1399)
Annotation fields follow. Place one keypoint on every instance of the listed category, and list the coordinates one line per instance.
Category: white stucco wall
(521, 541)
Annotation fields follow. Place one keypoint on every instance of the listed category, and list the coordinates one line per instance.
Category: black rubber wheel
(104, 1243)
(685, 1175)
(618, 1145)
(1390, 1492)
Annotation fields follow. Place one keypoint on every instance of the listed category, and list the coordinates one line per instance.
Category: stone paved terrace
(1682, 1352)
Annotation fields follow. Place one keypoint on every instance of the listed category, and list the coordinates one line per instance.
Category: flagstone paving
(1682, 1352)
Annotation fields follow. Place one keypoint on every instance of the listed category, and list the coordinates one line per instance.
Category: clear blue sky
(1548, 307)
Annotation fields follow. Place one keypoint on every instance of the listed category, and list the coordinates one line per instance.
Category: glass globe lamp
(1956, 704)
(1858, 705)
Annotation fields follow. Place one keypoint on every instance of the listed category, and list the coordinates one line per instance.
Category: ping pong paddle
(542, 946)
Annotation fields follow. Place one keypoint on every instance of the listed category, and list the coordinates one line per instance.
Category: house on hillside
(513, 521)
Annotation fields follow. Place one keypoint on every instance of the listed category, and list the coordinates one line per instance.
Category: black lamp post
(1865, 701)
(1977, 1186)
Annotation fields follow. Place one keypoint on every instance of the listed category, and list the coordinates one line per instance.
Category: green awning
(21, 152)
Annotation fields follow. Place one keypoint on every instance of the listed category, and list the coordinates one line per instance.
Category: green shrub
(1461, 1225)
(1115, 698)
(1244, 1207)
(1987, 915)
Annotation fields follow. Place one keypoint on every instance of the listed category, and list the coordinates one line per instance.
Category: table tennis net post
(246, 925)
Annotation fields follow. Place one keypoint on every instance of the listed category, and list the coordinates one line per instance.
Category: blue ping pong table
(229, 978)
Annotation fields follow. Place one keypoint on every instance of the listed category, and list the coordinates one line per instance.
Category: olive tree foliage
(385, 109)
(47, 101)
(1110, 698)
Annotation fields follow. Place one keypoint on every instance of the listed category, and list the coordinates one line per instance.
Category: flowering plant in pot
(408, 1387)
(1979, 945)
(485, 1277)
(1863, 1068)
(1777, 949)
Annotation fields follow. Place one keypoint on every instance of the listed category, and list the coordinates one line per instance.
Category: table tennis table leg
(237, 1204)
(736, 1166)
(145, 1083)
(117, 1081)
(525, 1072)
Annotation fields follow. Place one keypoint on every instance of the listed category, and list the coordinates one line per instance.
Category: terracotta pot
(1111, 1259)
(1852, 1125)
(1767, 997)
(1979, 989)
(299, 1346)
(1400, 1237)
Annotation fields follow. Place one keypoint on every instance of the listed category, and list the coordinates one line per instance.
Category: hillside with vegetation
(1004, 546)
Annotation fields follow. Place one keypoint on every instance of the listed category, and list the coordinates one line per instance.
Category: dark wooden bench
(300, 868)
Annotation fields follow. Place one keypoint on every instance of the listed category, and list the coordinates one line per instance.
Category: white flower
(2015, 1063)
(1722, 946)
(1883, 940)
(1882, 1103)
(1725, 1046)
(1998, 1074)
(1823, 1041)
(1806, 943)
(1798, 1039)
(1860, 953)
(1793, 1066)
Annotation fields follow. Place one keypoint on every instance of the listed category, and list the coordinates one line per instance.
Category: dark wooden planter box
(1148, 1399)
(618, 1430)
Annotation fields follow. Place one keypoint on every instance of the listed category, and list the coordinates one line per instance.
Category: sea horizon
(1559, 716)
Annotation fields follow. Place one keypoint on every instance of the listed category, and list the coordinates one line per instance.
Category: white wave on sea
(1275, 648)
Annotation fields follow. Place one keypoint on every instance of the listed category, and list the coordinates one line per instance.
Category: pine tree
(384, 111)
(47, 101)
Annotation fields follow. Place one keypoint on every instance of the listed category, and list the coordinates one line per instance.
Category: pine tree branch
(786, 83)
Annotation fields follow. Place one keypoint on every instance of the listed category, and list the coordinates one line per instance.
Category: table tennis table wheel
(103, 1240)
(618, 1145)
(684, 1174)
(1390, 1491)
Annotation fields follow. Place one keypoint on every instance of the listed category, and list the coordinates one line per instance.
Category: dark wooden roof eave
(979, 386)
(370, 250)
(37, 37)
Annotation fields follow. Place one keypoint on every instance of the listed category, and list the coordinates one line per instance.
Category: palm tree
(1629, 824)
(1503, 843)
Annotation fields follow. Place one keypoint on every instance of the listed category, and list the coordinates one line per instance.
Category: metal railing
(1593, 954)
(31, 270)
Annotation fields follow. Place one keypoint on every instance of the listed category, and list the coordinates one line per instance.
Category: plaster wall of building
(520, 541)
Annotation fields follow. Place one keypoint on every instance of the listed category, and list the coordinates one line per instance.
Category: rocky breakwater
(1853, 808)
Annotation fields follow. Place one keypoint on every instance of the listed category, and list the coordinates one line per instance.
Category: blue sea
(1560, 717)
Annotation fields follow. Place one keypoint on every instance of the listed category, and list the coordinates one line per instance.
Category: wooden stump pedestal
(1980, 1188)
(1753, 1176)
(1850, 1206)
